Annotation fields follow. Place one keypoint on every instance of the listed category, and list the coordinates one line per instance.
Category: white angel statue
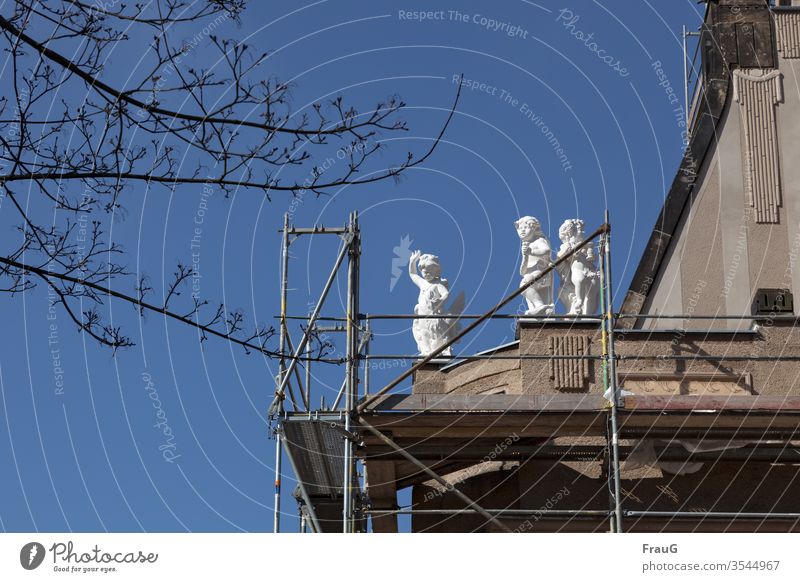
(580, 277)
(432, 333)
(536, 257)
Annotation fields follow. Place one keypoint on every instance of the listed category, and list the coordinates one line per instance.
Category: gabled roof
(734, 33)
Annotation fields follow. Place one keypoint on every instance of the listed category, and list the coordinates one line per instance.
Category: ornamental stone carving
(758, 93)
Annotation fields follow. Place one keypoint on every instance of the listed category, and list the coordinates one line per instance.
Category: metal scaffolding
(321, 444)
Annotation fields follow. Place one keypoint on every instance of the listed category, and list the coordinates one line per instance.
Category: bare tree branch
(255, 342)
(347, 125)
(76, 143)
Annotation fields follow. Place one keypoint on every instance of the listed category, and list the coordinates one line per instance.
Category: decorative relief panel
(787, 25)
(758, 92)
(569, 374)
(687, 384)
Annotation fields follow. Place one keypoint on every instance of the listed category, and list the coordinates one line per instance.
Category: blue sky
(92, 458)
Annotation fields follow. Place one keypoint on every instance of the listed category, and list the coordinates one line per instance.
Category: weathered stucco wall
(539, 485)
(720, 254)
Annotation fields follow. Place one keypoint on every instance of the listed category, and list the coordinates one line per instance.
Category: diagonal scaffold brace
(298, 353)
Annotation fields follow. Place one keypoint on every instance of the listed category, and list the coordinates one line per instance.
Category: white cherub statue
(536, 257)
(432, 333)
(579, 275)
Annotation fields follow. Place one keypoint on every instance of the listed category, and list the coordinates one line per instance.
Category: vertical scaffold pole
(351, 389)
(611, 368)
(276, 524)
(604, 371)
(308, 376)
(368, 332)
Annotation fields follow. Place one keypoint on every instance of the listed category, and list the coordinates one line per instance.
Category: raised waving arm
(412, 269)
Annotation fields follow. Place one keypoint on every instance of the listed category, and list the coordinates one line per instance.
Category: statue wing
(457, 305)
(453, 324)
(566, 287)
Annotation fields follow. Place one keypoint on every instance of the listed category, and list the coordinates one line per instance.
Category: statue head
(572, 228)
(528, 228)
(429, 267)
